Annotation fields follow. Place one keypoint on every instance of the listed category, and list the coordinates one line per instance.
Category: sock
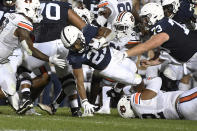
(74, 103)
(106, 99)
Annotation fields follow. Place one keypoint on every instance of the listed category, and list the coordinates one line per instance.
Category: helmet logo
(28, 1)
(122, 109)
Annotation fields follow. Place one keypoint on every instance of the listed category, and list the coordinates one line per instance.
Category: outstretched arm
(78, 73)
(155, 41)
(27, 44)
(24, 37)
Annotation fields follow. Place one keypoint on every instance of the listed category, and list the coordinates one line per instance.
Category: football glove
(59, 62)
(88, 108)
(98, 43)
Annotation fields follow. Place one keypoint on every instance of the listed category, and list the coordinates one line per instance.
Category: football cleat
(76, 112)
(24, 106)
(103, 110)
(49, 109)
(25, 103)
(32, 112)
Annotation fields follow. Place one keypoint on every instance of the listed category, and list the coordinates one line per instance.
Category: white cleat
(103, 111)
(32, 112)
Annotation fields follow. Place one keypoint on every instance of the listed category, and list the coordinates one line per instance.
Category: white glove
(88, 108)
(59, 62)
(98, 43)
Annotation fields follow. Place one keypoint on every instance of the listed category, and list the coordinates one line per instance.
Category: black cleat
(76, 112)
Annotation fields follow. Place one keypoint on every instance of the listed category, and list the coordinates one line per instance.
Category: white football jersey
(120, 43)
(116, 6)
(161, 106)
(8, 40)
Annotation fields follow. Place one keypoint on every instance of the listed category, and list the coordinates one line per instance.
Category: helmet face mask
(73, 39)
(170, 7)
(153, 12)
(124, 24)
(30, 8)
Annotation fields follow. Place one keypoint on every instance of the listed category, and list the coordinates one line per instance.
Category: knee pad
(69, 85)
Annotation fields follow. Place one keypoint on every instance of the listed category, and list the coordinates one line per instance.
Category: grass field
(63, 121)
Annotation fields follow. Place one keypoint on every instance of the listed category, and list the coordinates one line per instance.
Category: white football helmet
(85, 14)
(194, 1)
(72, 36)
(124, 24)
(30, 8)
(151, 13)
(170, 7)
(124, 108)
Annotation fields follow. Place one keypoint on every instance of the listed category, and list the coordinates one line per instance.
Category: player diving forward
(107, 61)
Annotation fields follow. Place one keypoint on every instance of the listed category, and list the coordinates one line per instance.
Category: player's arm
(155, 41)
(27, 44)
(78, 74)
(75, 20)
(24, 38)
(88, 108)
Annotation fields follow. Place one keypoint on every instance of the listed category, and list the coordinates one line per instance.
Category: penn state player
(55, 18)
(181, 11)
(151, 102)
(105, 60)
(125, 38)
(163, 35)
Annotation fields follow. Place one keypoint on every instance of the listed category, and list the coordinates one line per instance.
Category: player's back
(55, 18)
(161, 106)
(116, 6)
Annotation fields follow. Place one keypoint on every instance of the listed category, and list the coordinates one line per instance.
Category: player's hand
(59, 62)
(88, 108)
(98, 43)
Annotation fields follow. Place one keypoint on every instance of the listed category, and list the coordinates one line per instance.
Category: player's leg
(25, 85)
(125, 68)
(187, 105)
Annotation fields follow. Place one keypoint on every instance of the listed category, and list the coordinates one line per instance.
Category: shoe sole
(41, 106)
(22, 111)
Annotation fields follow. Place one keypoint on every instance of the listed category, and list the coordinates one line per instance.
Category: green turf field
(63, 121)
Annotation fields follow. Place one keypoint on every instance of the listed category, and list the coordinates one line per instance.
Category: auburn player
(15, 33)
(151, 102)
(109, 9)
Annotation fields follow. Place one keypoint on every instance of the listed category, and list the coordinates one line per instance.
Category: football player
(109, 9)
(163, 35)
(105, 60)
(181, 11)
(151, 102)
(47, 35)
(15, 33)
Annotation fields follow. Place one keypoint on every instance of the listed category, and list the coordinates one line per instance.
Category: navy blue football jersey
(182, 42)
(55, 18)
(185, 12)
(97, 59)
